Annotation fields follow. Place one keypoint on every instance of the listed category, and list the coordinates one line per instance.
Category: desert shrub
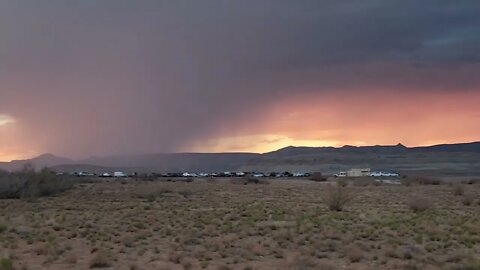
(467, 200)
(406, 181)
(431, 181)
(419, 204)
(147, 177)
(458, 190)
(151, 192)
(302, 262)
(28, 183)
(472, 181)
(6, 264)
(420, 180)
(337, 197)
(318, 177)
(261, 181)
(342, 182)
(186, 193)
(354, 254)
(250, 180)
(175, 257)
(255, 180)
(187, 263)
(10, 186)
(239, 181)
(211, 180)
(100, 260)
(469, 265)
(3, 228)
(44, 183)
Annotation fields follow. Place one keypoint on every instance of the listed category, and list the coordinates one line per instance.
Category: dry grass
(287, 224)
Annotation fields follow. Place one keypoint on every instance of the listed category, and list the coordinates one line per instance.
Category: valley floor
(220, 225)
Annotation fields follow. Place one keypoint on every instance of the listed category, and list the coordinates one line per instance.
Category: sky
(81, 78)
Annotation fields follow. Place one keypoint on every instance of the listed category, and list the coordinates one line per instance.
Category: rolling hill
(461, 158)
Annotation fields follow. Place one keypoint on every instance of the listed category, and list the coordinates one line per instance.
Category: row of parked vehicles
(354, 173)
(244, 174)
(188, 174)
(114, 174)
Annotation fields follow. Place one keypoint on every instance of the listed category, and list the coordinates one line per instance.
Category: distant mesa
(288, 158)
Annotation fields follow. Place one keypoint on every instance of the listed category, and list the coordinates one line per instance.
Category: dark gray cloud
(99, 77)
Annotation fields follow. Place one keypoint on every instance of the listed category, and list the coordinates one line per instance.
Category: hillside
(446, 159)
(45, 160)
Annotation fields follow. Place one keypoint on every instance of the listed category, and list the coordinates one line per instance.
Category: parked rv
(119, 174)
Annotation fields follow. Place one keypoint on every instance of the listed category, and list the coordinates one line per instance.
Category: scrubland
(223, 224)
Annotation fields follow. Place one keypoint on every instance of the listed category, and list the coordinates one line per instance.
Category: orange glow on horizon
(329, 119)
(260, 143)
(377, 118)
(7, 157)
(11, 138)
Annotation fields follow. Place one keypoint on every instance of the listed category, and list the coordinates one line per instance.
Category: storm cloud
(82, 78)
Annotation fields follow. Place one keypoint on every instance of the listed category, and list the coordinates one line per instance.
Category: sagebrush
(29, 183)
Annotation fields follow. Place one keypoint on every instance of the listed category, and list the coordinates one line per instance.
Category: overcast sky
(82, 78)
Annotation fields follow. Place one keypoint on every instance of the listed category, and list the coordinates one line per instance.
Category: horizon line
(236, 152)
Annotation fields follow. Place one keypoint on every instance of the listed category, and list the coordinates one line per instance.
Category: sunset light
(260, 143)
(5, 119)
(239, 134)
(338, 119)
(206, 77)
